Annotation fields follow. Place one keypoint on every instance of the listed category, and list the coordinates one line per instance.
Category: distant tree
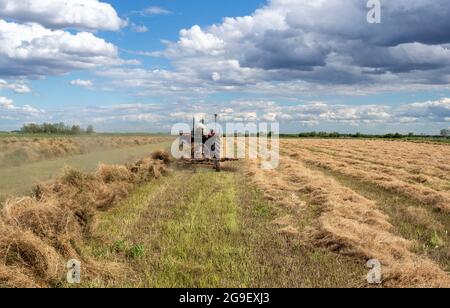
(59, 128)
(335, 135)
(75, 130)
(445, 133)
(30, 129)
(90, 130)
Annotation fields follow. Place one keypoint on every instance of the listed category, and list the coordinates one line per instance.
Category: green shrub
(136, 252)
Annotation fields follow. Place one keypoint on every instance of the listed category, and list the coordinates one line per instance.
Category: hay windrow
(162, 155)
(347, 223)
(11, 277)
(39, 234)
(18, 151)
(24, 250)
(418, 171)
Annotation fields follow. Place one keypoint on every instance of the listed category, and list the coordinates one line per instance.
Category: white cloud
(139, 28)
(6, 102)
(436, 111)
(9, 111)
(78, 14)
(156, 82)
(82, 83)
(155, 10)
(18, 88)
(420, 117)
(141, 117)
(32, 50)
(194, 40)
(309, 46)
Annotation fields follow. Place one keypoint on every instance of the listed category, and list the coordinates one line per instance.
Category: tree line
(444, 133)
(56, 129)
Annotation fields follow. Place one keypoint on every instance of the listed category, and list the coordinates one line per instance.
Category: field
(16, 150)
(26, 161)
(384, 200)
(315, 221)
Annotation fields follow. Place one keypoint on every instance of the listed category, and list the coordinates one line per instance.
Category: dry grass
(39, 234)
(313, 222)
(344, 221)
(422, 217)
(208, 229)
(418, 171)
(19, 181)
(18, 151)
(163, 155)
(412, 220)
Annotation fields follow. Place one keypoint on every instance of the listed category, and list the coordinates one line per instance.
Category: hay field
(40, 233)
(45, 157)
(156, 224)
(315, 221)
(17, 150)
(368, 199)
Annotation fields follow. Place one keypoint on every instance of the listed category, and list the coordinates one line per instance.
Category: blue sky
(54, 90)
(144, 65)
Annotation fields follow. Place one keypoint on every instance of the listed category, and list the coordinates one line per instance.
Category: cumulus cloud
(9, 111)
(77, 14)
(16, 87)
(195, 41)
(32, 50)
(305, 45)
(435, 111)
(427, 116)
(303, 34)
(320, 113)
(307, 113)
(5, 102)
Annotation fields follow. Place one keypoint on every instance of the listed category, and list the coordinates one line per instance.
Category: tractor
(205, 146)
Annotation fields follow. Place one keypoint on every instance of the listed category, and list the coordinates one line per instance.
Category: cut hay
(417, 171)
(18, 151)
(163, 156)
(110, 174)
(11, 277)
(53, 224)
(347, 224)
(39, 234)
(22, 249)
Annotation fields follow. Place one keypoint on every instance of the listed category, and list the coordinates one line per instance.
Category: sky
(142, 66)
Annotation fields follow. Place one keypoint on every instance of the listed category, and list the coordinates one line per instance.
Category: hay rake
(206, 148)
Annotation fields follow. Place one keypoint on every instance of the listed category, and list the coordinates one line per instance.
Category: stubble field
(315, 221)
(369, 199)
(29, 160)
